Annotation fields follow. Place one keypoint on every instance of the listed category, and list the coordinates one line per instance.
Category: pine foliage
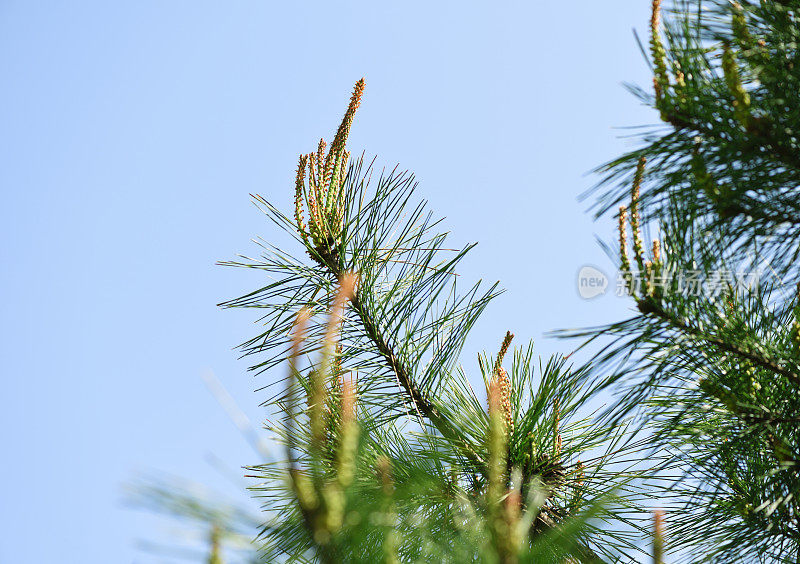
(389, 455)
(711, 355)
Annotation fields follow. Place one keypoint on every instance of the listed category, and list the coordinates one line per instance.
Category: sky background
(132, 134)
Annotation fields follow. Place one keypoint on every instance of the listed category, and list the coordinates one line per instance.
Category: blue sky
(132, 136)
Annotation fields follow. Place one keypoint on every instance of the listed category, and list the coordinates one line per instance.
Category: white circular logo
(591, 282)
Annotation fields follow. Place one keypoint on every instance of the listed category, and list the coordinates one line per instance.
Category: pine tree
(391, 456)
(712, 355)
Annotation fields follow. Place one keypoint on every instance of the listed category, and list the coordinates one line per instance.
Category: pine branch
(650, 306)
(683, 120)
(718, 381)
(423, 406)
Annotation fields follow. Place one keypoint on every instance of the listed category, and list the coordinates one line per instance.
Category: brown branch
(422, 404)
(683, 121)
(647, 305)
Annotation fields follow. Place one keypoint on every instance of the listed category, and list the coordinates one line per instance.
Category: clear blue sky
(132, 133)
